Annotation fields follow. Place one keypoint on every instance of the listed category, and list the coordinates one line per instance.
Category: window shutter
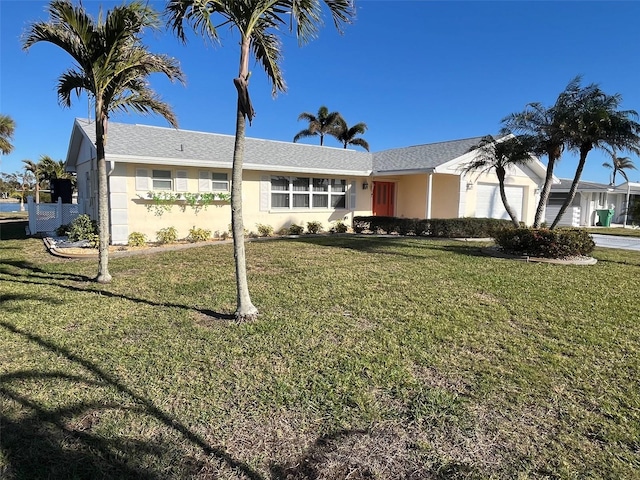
(204, 182)
(352, 195)
(142, 180)
(182, 184)
(264, 193)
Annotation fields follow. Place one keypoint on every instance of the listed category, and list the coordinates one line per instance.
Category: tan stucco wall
(144, 218)
(446, 196)
(411, 196)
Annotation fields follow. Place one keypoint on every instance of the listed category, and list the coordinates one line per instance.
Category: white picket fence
(47, 217)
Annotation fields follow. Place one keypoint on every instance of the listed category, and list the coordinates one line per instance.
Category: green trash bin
(605, 216)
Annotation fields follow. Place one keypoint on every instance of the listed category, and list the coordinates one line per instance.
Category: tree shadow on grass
(47, 444)
(13, 230)
(34, 273)
(395, 245)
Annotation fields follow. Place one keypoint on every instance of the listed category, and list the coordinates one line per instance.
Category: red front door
(383, 195)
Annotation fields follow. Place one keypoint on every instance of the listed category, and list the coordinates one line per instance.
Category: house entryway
(383, 199)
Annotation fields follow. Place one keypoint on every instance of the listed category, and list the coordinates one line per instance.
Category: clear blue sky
(415, 71)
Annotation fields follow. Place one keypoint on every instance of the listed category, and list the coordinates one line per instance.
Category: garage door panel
(489, 204)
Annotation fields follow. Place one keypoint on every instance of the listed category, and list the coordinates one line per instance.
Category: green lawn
(372, 358)
(623, 232)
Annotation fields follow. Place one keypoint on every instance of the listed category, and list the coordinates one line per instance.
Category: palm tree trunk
(245, 310)
(544, 194)
(501, 174)
(103, 200)
(574, 186)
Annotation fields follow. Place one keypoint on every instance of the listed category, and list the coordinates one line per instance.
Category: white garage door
(489, 204)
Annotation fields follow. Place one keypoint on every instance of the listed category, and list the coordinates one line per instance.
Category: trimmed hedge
(560, 243)
(435, 227)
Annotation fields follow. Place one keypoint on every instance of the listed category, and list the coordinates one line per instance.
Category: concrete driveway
(612, 241)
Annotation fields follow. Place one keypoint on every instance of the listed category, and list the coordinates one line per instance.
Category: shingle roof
(421, 157)
(191, 147)
(565, 185)
(200, 148)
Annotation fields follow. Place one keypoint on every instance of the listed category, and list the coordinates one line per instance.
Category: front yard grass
(372, 358)
(622, 232)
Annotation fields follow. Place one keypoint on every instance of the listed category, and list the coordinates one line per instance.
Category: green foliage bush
(435, 227)
(137, 239)
(295, 229)
(314, 227)
(339, 227)
(82, 228)
(264, 230)
(634, 212)
(198, 235)
(560, 243)
(167, 235)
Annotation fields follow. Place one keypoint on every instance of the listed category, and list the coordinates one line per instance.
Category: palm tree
(348, 135)
(35, 169)
(7, 127)
(112, 67)
(320, 125)
(500, 155)
(546, 127)
(597, 123)
(257, 22)
(618, 165)
(54, 169)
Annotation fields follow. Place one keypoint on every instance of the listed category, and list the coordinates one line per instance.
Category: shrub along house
(161, 177)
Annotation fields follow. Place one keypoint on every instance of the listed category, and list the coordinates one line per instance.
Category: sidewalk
(613, 241)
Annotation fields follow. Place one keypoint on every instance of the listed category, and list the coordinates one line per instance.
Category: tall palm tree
(546, 126)
(320, 124)
(349, 135)
(35, 169)
(112, 67)
(500, 155)
(597, 123)
(7, 127)
(257, 22)
(618, 165)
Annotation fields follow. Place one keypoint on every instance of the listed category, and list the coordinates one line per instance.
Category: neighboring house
(590, 197)
(283, 183)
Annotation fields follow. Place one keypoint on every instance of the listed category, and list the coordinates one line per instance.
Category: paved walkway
(613, 241)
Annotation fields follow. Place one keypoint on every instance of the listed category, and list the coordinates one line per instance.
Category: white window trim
(329, 194)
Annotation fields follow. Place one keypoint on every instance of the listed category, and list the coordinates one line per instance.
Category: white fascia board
(227, 165)
(395, 173)
(168, 161)
(317, 171)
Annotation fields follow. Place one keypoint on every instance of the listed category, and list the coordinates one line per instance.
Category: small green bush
(560, 243)
(198, 235)
(283, 231)
(137, 239)
(314, 227)
(264, 230)
(634, 212)
(295, 229)
(435, 227)
(339, 227)
(167, 235)
(82, 228)
(61, 231)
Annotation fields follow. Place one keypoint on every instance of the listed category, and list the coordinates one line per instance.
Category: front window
(305, 192)
(162, 180)
(219, 182)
